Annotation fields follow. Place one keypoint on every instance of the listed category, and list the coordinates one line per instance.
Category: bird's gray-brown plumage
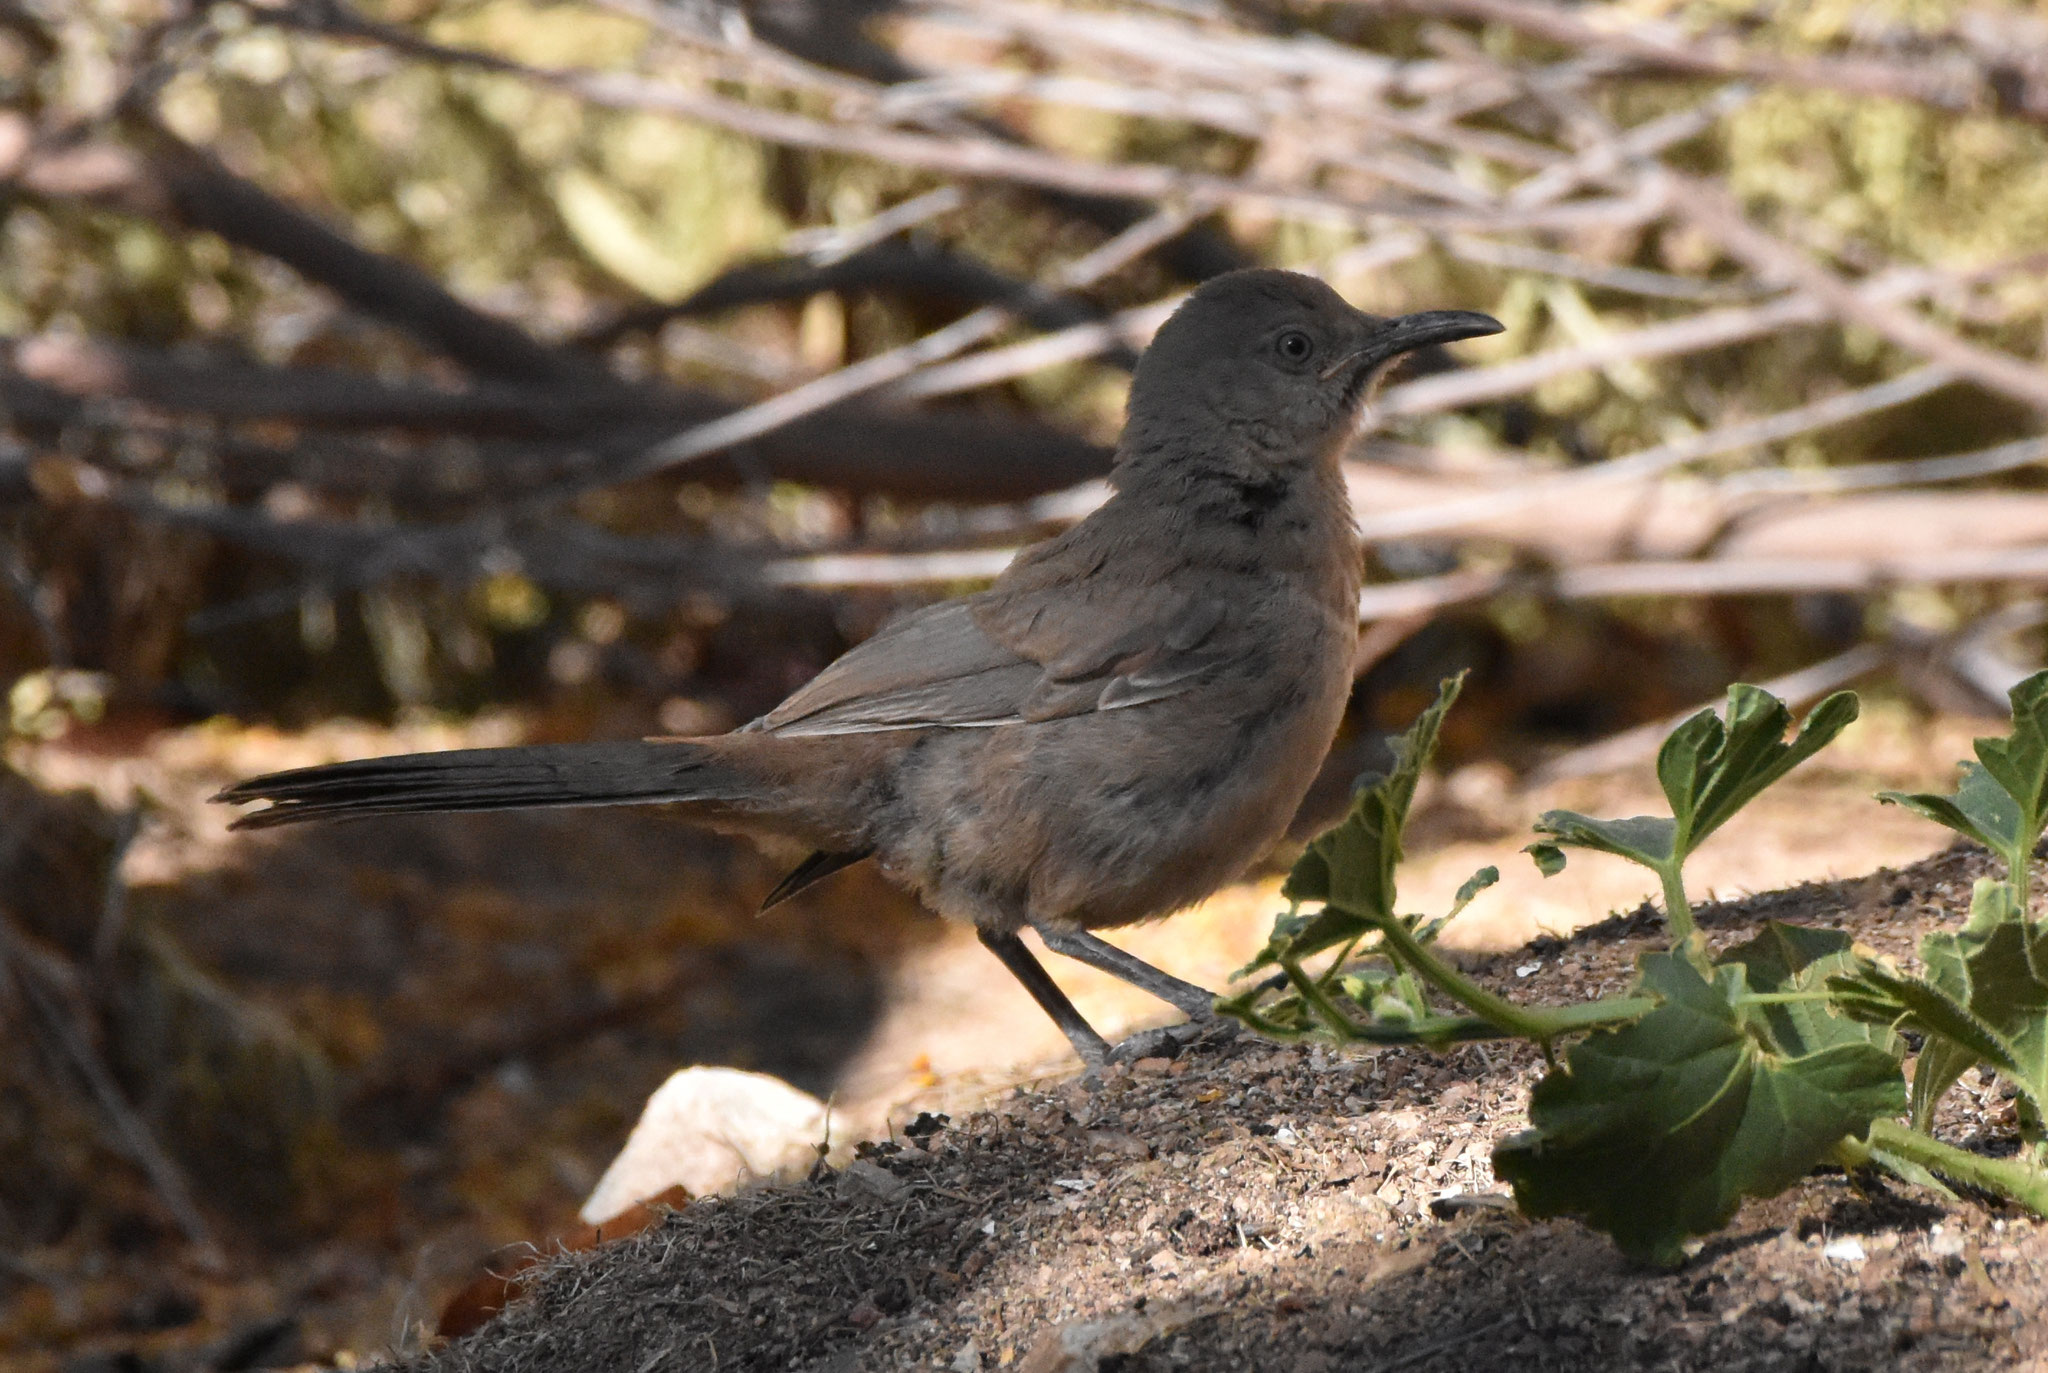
(1122, 723)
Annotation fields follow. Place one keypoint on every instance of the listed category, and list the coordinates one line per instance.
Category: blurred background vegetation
(368, 362)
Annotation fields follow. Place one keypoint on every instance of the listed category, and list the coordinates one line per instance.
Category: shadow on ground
(1253, 1206)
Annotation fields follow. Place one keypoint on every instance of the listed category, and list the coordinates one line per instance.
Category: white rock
(710, 1130)
(1847, 1249)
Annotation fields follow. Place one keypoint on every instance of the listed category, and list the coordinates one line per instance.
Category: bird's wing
(1010, 657)
(933, 667)
(1103, 645)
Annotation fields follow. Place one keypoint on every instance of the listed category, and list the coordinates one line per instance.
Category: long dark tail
(607, 774)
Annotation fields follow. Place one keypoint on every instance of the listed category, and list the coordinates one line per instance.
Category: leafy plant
(2003, 800)
(1709, 770)
(1715, 1078)
(1383, 998)
(1658, 1129)
(1982, 997)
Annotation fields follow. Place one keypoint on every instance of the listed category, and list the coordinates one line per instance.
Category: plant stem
(1677, 910)
(1685, 935)
(2023, 1183)
(1432, 1032)
(1539, 1023)
(1310, 989)
(1336, 966)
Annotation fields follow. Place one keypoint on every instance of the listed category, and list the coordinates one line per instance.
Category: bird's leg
(1092, 1047)
(1198, 1002)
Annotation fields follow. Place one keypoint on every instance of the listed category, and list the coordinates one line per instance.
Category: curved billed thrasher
(1122, 723)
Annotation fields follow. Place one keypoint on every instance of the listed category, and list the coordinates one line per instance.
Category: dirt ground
(1252, 1206)
(497, 995)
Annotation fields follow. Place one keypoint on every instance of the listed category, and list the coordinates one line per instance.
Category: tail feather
(607, 774)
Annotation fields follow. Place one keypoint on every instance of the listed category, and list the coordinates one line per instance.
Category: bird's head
(1273, 360)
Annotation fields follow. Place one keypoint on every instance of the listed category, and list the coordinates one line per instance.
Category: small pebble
(1847, 1249)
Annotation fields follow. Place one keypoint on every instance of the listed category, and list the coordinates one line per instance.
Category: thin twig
(995, 365)
(882, 369)
(1710, 207)
(1953, 82)
(1650, 462)
(839, 242)
(1631, 746)
(1690, 334)
(1871, 476)
(35, 975)
(1709, 577)
(985, 159)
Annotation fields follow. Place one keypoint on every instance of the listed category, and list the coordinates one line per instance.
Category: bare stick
(1691, 334)
(1649, 462)
(888, 569)
(1709, 577)
(1632, 280)
(989, 160)
(1770, 256)
(1632, 746)
(837, 243)
(1131, 328)
(1952, 85)
(894, 365)
(37, 974)
(1870, 476)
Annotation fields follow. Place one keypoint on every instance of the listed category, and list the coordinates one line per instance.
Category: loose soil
(1252, 1206)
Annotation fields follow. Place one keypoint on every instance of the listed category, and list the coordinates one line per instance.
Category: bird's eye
(1294, 345)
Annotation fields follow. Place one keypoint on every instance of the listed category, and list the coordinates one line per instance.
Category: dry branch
(1633, 746)
(1650, 462)
(50, 385)
(168, 178)
(987, 159)
(1957, 82)
(1711, 577)
(1333, 133)
(1772, 258)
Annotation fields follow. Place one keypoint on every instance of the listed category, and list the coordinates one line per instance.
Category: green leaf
(2019, 762)
(1656, 1131)
(1351, 866)
(1877, 994)
(1473, 885)
(1794, 959)
(1309, 878)
(2002, 800)
(1982, 1000)
(1940, 1066)
(1323, 929)
(1711, 770)
(1645, 839)
(1906, 1170)
(1549, 858)
(2003, 989)
(1980, 809)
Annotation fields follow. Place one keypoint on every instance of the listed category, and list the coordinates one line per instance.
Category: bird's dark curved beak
(1406, 333)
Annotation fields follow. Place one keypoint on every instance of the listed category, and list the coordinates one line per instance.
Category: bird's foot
(1170, 1041)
